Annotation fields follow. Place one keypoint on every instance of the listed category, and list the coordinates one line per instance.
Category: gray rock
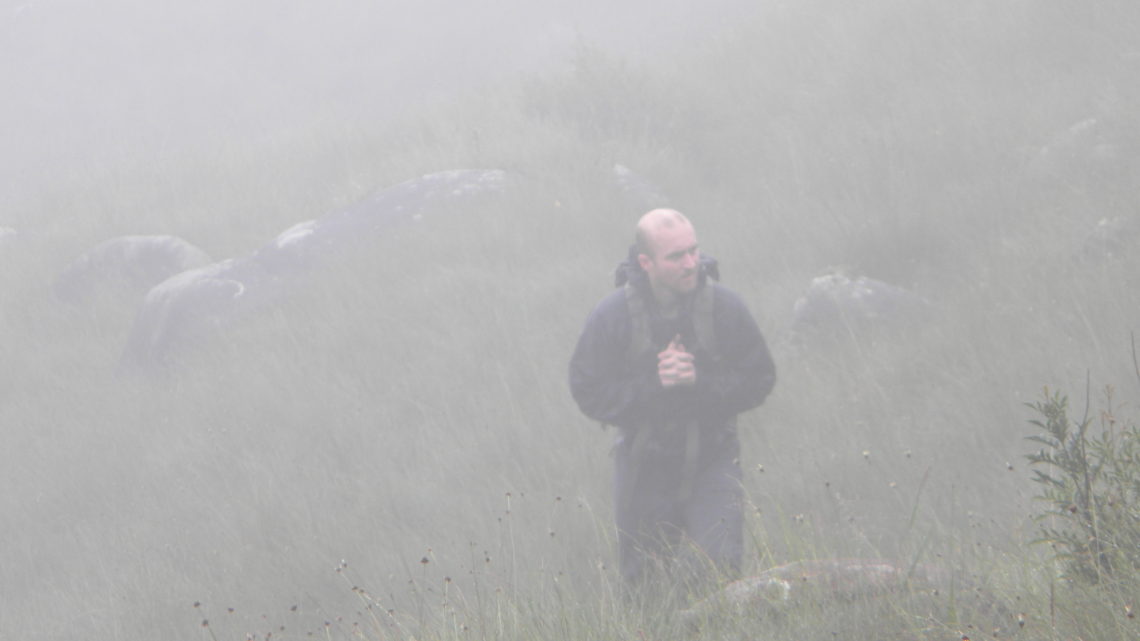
(638, 192)
(135, 262)
(838, 304)
(188, 307)
(805, 582)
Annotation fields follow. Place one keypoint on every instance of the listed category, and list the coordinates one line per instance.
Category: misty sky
(94, 84)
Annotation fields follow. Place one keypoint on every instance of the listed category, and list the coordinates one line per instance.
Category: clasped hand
(675, 365)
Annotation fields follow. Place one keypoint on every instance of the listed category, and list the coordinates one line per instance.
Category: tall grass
(392, 453)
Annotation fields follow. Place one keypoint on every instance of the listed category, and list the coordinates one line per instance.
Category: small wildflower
(424, 561)
(867, 454)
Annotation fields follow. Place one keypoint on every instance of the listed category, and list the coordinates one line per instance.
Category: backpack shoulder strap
(639, 339)
(703, 323)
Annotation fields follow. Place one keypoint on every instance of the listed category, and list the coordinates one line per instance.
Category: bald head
(668, 253)
(652, 223)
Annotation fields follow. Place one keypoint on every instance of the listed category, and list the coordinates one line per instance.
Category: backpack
(702, 314)
(641, 341)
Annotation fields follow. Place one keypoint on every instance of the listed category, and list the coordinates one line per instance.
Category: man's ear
(644, 261)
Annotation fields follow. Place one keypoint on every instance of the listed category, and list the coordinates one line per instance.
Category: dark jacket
(612, 390)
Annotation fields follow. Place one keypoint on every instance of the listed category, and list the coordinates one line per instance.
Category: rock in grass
(134, 262)
(191, 305)
(804, 582)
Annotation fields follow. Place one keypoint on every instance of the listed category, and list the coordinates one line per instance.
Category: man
(671, 358)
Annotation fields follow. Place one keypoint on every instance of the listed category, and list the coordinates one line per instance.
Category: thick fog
(288, 292)
(88, 85)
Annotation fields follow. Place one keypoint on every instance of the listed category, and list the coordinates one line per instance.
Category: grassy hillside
(391, 452)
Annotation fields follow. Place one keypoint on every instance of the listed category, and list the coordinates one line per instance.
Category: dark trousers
(678, 520)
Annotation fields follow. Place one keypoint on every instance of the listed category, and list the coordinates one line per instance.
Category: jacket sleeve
(745, 374)
(606, 387)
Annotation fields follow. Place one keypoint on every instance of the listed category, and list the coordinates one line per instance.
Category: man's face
(675, 263)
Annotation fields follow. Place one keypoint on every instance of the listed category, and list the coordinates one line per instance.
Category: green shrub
(1091, 487)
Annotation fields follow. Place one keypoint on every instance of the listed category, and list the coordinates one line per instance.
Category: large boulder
(136, 263)
(189, 306)
(837, 305)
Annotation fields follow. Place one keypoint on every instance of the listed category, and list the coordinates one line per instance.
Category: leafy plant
(1091, 486)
